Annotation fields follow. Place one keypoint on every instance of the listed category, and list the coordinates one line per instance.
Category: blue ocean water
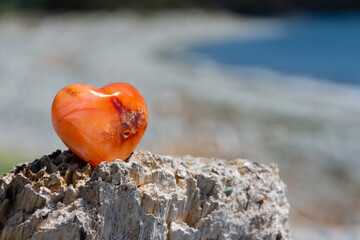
(325, 47)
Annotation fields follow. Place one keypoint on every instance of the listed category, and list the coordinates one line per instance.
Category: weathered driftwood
(147, 197)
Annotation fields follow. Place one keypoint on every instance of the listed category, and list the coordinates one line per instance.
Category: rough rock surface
(147, 197)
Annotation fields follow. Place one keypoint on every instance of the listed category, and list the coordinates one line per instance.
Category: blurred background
(267, 80)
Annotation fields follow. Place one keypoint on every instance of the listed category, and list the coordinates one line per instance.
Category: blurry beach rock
(148, 197)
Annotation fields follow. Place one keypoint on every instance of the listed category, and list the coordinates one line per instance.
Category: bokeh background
(270, 81)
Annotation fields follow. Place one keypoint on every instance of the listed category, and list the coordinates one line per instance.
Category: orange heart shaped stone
(100, 124)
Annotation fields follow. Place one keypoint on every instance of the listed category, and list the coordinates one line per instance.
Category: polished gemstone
(100, 124)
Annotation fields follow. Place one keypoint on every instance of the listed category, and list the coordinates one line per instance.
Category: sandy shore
(311, 129)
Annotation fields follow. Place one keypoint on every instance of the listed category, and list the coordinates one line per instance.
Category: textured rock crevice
(147, 197)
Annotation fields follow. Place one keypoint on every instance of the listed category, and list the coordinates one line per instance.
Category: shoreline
(192, 105)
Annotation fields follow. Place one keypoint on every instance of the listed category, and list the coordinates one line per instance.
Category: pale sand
(311, 130)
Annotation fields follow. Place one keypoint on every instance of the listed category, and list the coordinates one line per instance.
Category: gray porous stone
(148, 196)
